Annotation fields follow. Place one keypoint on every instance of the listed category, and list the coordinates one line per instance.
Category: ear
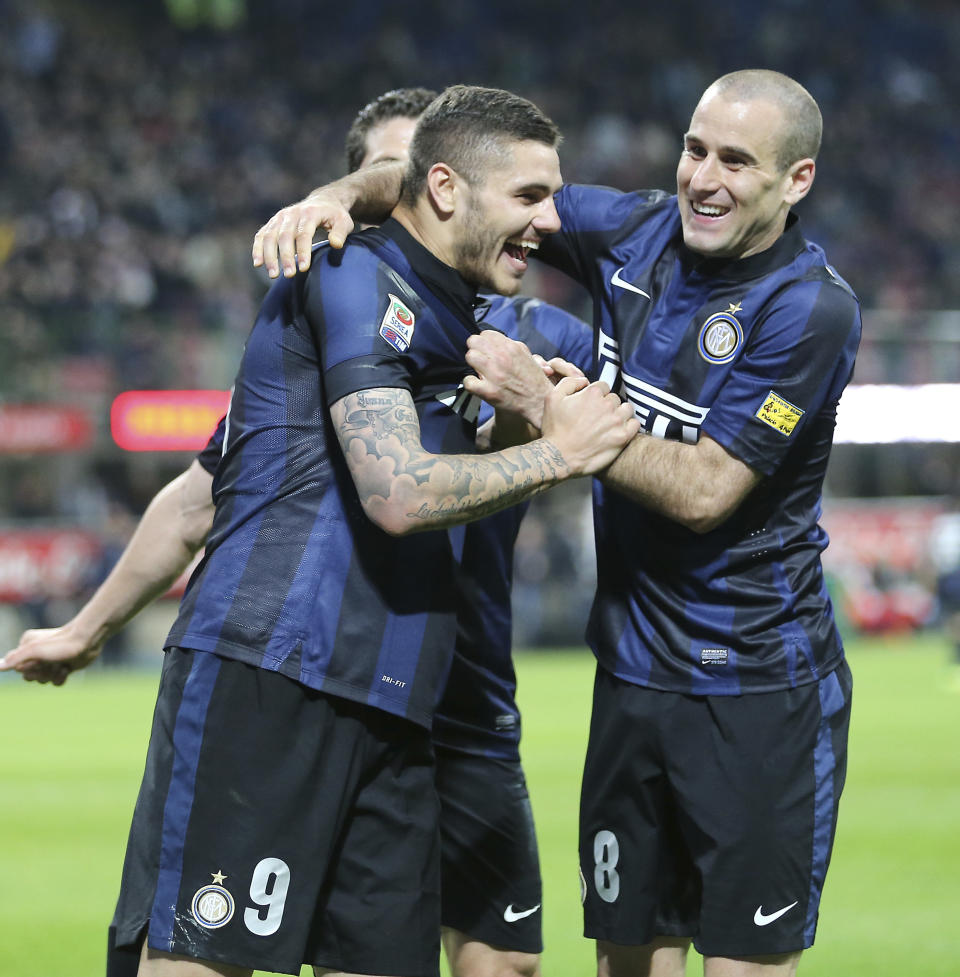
(799, 180)
(443, 188)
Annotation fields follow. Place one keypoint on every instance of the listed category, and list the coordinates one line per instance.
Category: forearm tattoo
(380, 434)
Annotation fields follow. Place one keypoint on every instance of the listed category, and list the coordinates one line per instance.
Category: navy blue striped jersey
(295, 578)
(753, 353)
(478, 710)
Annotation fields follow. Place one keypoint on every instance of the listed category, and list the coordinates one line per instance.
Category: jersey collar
(780, 253)
(446, 283)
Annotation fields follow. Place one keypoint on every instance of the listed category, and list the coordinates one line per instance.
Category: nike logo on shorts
(763, 919)
(511, 915)
(617, 280)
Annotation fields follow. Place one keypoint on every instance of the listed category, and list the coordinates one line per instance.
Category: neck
(426, 229)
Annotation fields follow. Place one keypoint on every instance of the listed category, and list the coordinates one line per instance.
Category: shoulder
(546, 329)
(584, 207)
(523, 313)
(832, 296)
(366, 275)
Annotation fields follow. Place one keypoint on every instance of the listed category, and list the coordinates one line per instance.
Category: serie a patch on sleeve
(780, 414)
(397, 324)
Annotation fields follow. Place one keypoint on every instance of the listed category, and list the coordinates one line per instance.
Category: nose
(547, 220)
(704, 176)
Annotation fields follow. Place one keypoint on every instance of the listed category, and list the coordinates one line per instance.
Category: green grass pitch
(71, 758)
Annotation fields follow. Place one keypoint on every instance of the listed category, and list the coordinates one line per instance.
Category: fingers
(265, 248)
(473, 385)
(563, 368)
(567, 386)
(13, 659)
(56, 673)
(34, 669)
(286, 240)
(339, 228)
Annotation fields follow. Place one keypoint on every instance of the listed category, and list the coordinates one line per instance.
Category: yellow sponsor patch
(780, 414)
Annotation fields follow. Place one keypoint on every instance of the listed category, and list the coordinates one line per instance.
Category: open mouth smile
(517, 249)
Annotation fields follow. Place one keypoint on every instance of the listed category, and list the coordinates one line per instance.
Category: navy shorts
(711, 817)
(277, 826)
(491, 889)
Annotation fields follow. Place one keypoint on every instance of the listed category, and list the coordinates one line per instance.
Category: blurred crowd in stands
(143, 143)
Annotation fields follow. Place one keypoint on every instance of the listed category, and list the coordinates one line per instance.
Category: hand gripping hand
(589, 425)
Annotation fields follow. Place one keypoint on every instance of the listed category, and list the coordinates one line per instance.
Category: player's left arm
(698, 485)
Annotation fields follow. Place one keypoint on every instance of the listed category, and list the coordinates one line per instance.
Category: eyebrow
(543, 188)
(736, 150)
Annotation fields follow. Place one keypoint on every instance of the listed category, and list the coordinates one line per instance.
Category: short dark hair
(466, 126)
(400, 103)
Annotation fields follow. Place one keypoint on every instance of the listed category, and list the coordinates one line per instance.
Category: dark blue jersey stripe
(295, 578)
(187, 737)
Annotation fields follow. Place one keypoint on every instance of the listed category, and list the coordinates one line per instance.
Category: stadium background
(143, 143)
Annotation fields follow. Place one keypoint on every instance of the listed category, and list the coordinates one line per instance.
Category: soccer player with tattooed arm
(324, 610)
(491, 893)
(718, 741)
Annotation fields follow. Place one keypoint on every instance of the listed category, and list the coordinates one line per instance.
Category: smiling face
(506, 216)
(732, 192)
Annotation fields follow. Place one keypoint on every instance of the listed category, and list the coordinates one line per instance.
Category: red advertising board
(166, 420)
(41, 564)
(43, 428)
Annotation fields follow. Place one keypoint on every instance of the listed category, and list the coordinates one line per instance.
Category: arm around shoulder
(366, 195)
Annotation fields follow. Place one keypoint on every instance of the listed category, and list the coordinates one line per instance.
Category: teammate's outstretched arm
(404, 488)
(171, 531)
(367, 195)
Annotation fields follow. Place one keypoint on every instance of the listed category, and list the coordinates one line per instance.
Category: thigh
(637, 881)
(381, 901)
(249, 789)
(491, 887)
(758, 778)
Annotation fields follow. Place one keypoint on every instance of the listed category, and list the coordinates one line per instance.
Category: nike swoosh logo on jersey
(617, 280)
(511, 915)
(760, 919)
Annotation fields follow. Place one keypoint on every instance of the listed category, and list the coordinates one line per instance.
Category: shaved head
(802, 124)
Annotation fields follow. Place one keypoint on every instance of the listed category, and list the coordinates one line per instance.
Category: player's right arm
(171, 531)
(367, 195)
(403, 488)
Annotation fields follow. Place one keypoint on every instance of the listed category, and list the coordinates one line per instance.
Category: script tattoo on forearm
(380, 434)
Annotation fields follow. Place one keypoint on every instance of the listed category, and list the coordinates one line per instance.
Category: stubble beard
(477, 250)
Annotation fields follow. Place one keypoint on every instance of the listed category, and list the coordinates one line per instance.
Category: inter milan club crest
(397, 325)
(721, 336)
(212, 906)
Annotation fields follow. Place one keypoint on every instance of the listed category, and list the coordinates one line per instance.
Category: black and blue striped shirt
(754, 353)
(295, 577)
